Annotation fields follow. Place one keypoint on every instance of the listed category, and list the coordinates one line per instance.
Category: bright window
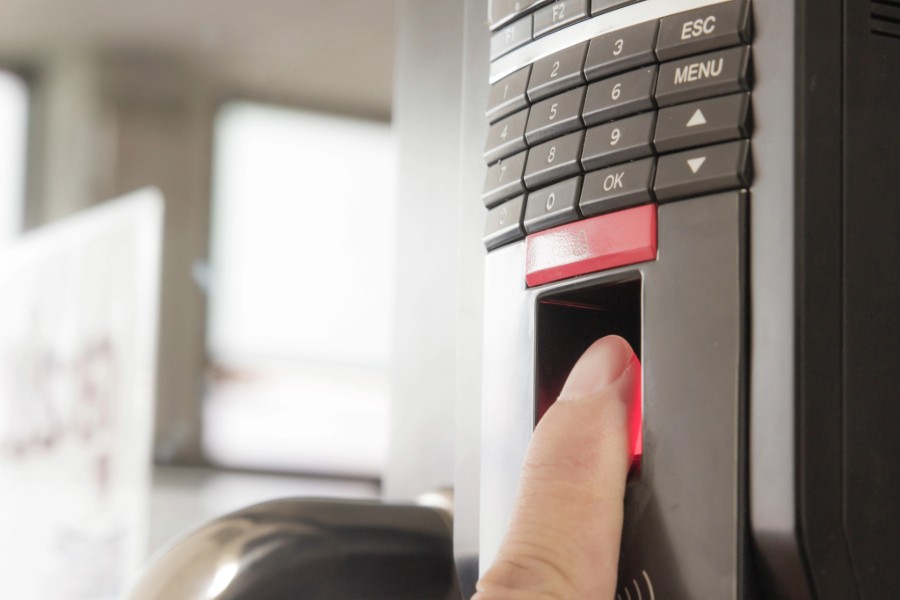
(299, 329)
(13, 130)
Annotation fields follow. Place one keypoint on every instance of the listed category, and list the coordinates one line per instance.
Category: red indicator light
(614, 240)
(637, 417)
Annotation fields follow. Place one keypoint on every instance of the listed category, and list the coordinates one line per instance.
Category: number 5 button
(555, 116)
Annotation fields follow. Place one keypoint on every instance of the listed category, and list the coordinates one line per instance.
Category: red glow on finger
(637, 418)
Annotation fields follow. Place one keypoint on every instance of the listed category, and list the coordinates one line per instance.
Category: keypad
(658, 111)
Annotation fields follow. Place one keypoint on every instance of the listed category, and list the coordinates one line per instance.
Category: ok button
(617, 187)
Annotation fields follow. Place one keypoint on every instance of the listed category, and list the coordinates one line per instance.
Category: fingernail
(600, 365)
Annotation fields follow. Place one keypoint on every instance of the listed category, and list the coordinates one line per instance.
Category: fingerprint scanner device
(715, 181)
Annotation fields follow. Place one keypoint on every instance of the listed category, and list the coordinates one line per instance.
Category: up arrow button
(702, 123)
(697, 119)
(703, 171)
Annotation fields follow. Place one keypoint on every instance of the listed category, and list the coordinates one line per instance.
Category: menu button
(704, 76)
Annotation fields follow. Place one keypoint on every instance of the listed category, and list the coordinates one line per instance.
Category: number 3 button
(621, 50)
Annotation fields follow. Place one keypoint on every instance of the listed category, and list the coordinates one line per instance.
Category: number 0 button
(553, 205)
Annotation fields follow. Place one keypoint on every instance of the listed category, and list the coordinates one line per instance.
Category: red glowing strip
(605, 242)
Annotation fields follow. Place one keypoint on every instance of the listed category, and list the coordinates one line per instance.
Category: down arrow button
(703, 171)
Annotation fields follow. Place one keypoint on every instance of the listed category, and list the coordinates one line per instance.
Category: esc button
(704, 29)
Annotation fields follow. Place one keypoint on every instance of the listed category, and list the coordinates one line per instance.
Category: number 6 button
(619, 96)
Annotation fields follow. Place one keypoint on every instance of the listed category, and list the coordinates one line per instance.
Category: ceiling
(325, 53)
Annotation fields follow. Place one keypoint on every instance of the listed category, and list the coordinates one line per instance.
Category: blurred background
(312, 276)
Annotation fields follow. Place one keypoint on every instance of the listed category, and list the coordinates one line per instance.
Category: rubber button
(503, 11)
(702, 123)
(553, 205)
(506, 137)
(618, 141)
(621, 50)
(555, 116)
(601, 6)
(508, 95)
(704, 29)
(618, 187)
(703, 171)
(713, 74)
(553, 160)
(559, 14)
(504, 180)
(504, 223)
(619, 96)
(511, 37)
(605, 242)
(557, 72)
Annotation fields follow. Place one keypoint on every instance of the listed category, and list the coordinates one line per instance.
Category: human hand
(563, 538)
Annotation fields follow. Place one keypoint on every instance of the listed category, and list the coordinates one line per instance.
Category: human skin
(563, 538)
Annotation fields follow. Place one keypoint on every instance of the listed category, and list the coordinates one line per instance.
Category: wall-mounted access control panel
(710, 180)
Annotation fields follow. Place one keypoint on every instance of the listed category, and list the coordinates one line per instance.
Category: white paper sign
(78, 317)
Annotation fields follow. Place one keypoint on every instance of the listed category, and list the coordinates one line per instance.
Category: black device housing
(812, 315)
